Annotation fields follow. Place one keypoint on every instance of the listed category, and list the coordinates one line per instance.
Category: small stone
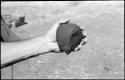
(116, 72)
(56, 72)
(106, 68)
(57, 76)
(40, 62)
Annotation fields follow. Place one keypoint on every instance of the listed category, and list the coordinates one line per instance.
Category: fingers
(56, 25)
(79, 46)
(82, 28)
(77, 49)
(84, 41)
(63, 21)
(84, 33)
(51, 34)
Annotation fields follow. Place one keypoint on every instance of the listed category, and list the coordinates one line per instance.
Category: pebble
(40, 62)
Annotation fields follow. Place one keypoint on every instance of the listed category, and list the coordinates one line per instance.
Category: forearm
(11, 51)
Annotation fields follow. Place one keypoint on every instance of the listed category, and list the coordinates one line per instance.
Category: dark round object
(68, 37)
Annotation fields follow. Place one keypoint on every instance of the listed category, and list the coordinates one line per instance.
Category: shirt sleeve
(6, 33)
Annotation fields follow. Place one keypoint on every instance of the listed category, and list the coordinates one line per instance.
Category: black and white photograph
(62, 39)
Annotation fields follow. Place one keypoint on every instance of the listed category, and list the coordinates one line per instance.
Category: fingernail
(85, 33)
(85, 40)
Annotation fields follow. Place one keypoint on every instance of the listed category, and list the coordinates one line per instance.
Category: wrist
(44, 45)
(52, 45)
(49, 44)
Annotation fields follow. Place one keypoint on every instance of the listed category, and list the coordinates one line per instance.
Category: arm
(15, 51)
(11, 51)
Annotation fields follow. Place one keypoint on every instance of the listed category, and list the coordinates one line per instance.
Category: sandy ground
(103, 55)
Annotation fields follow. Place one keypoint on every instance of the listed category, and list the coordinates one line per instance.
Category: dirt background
(103, 55)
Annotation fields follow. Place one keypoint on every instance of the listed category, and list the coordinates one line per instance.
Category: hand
(84, 40)
(51, 35)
